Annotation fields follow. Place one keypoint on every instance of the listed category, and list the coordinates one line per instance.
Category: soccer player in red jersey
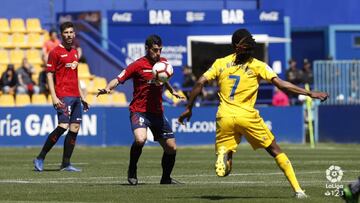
(146, 110)
(62, 76)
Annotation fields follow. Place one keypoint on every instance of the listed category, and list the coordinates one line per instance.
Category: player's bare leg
(168, 160)
(140, 135)
(285, 165)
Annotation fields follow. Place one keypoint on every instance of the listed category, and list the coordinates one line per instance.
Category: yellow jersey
(238, 84)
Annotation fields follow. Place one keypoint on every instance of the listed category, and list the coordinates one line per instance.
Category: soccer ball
(162, 71)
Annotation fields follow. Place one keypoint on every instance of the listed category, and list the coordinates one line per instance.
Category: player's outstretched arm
(172, 91)
(289, 87)
(194, 93)
(112, 84)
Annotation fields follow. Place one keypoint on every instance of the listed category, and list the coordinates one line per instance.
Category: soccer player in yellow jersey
(238, 76)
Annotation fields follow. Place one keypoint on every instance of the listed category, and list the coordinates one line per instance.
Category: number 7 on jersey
(236, 83)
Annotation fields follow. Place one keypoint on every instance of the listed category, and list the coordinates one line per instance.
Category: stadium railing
(340, 78)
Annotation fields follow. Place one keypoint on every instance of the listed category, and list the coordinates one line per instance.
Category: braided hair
(244, 45)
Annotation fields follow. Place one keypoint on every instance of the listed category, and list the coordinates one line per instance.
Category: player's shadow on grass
(49, 170)
(121, 184)
(221, 197)
(127, 184)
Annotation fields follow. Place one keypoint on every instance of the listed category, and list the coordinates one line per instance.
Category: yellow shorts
(230, 129)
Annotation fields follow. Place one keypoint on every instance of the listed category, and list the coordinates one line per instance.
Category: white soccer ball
(162, 71)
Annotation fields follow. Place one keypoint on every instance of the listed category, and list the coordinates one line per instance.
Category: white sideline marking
(119, 180)
(60, 164)
(153, 182)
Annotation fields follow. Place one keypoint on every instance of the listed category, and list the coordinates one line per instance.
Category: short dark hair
(10, 66)
(243, 37)
(153, 39)
(66, 25)
(52, 30)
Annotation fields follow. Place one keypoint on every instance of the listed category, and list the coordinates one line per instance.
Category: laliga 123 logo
(334, 174)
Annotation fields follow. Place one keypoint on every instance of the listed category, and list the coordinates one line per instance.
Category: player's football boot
(169, 181)
(222, 165)
(70, 168)
(132, 177)
(38, 164)
(348, 194)
(300, 195)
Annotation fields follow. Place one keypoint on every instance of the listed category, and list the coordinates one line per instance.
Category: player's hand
(85, 105)
(158, 82)
(185, 115)
(57, 102)
(319, 95)
(178, 95)
(102, 91)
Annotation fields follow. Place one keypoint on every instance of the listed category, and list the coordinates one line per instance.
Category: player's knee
(140, 141)
(74, 127)
(64, 125)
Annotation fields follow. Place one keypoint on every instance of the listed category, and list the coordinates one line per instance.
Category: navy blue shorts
(157, 123)
(71, 111)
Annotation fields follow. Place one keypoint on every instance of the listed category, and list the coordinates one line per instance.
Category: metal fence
(341, 79)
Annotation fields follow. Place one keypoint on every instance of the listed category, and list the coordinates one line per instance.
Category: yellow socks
(285, 165)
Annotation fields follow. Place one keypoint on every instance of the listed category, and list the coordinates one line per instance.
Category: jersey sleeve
(52, 61)
(266, 72)
(213, 71)
(127, 73)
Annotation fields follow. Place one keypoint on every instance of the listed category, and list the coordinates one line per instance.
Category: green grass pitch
(255, 176)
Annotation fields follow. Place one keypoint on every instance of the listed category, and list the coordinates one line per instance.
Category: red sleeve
(52, 61)
(127, 73)
(163, 59)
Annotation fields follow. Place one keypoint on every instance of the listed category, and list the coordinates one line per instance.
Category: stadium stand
(16, 57)
(2, 68)
(17, 25)
(103, 100)
(90, 98)
(35, 40)
(34, 56)
(22, 100)
(18, 40)
(5, 40)
(4, 57)
(21, 38)
(4, 25)
(84, 72)
(39, 99)
(33, 25)
(7, 100)
(96, 83)
(119, 98)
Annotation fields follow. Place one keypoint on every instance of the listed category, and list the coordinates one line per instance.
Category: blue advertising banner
(109, 126)
(129, 29)
(339, 123)
(168, 17)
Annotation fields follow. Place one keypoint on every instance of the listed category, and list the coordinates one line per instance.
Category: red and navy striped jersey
(63, 63)
(147, 95)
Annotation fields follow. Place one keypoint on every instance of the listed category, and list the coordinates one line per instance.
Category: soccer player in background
(62, 76)
(238, 76)
(146, 110)
(50, 44)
